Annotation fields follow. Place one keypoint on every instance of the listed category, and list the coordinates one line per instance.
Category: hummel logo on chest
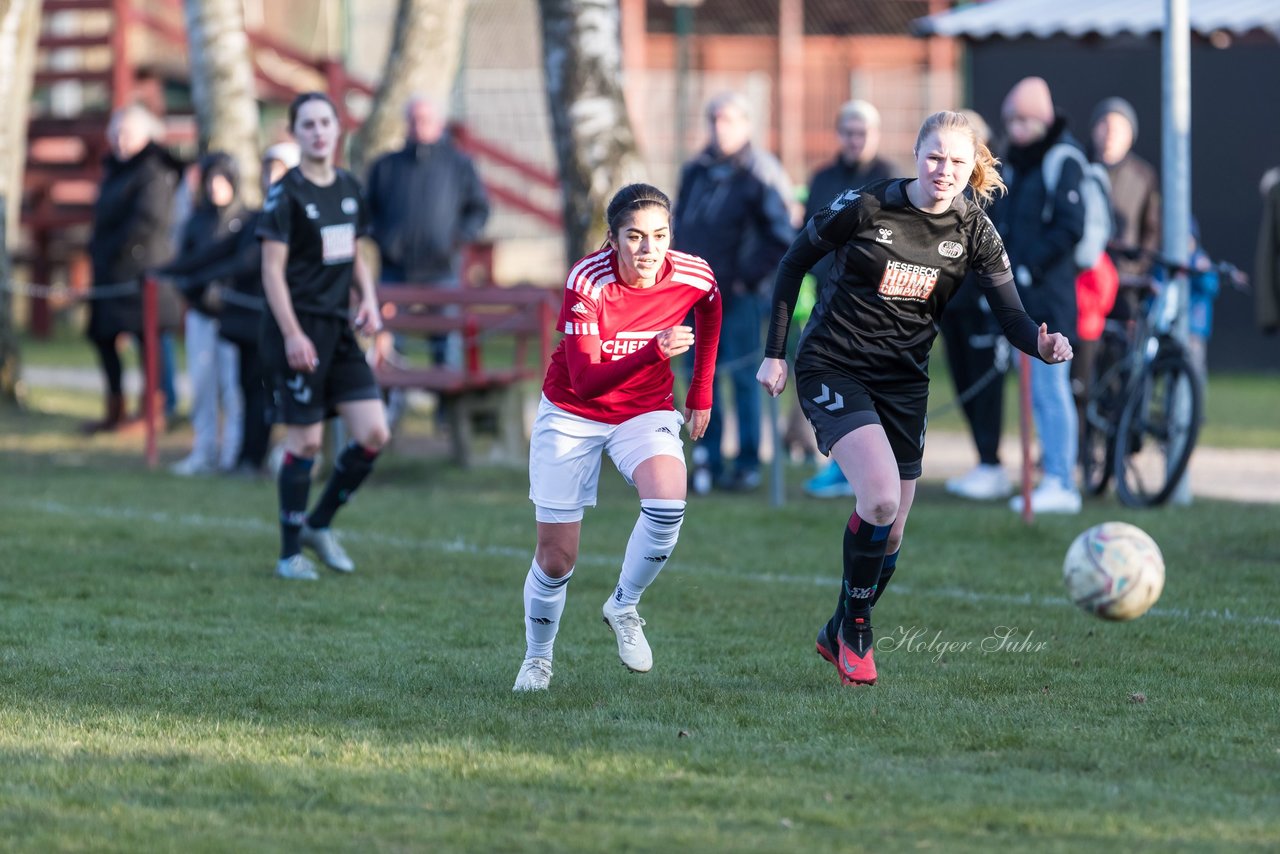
(884, 235)
(580, 308)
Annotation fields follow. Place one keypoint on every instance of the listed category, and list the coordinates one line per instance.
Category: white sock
(543, 604)
(652, 541)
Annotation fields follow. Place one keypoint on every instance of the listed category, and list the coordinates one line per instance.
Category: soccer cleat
(857, 664)
(826, 648)
(534, 675)
(828, 483)
(633, 649)
(296, 567)
(326, 546)
(982, 483)
(1051, 496)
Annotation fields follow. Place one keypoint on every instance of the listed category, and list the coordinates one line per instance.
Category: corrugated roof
(1047, 18)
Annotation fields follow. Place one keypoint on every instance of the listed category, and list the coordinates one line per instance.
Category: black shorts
(342, 376)
(837, 404)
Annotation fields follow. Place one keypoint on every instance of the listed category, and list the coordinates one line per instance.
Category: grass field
(159, 690)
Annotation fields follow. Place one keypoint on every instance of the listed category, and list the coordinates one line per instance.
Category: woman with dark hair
(609, 389)
(902, 247)
(310, 227)
(212, 364)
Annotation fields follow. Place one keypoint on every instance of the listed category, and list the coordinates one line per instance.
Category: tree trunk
(222, 86)
(596, 148)
(425, 50)
(19, 35)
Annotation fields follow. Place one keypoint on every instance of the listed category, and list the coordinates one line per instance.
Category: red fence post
(1024, 424)
(151, 362)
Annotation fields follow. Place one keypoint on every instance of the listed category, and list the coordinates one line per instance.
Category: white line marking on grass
(458, 545)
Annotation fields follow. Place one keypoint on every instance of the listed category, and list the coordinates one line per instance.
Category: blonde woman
(901, 247)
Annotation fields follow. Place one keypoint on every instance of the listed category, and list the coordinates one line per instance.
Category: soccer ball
(1114, 571)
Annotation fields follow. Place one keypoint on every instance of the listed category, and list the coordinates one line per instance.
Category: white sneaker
(1051, 496)
(192, 466)
(297, 568)
(534, 675)
(633, 649)
(983, 483)
(327, 548)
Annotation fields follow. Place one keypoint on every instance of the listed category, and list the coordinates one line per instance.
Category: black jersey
(320, 225)
(895, 267)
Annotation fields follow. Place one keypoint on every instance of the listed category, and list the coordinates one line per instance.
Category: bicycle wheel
(1101, 412)
(1157, 432)
(1097, 456)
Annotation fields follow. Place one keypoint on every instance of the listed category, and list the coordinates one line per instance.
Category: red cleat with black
(826, 648)
(857, 664)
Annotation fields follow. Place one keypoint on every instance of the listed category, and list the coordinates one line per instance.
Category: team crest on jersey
(908, 281)
(349, 206)
(950, 249)
(884, 235)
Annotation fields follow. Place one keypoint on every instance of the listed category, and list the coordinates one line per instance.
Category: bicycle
(1146, 402)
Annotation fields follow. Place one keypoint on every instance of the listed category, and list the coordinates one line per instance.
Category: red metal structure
(104, 52)
(64, 157)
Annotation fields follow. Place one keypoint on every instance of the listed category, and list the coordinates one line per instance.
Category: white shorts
(564, 455)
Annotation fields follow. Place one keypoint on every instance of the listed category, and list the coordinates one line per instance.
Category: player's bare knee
(374, 438)
(879, 511)
(556, 562)
(306, 449)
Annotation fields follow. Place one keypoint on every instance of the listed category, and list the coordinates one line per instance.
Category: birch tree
(222, 86)
(595, 146)
(425, 49)
(19, 36)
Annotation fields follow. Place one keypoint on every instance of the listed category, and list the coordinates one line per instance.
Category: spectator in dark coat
(1041, 254)
(732, 210)
(212, 363)
(857, 164)
(132, 221)
(426, 202)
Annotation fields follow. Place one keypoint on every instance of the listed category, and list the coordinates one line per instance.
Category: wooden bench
(489, 382)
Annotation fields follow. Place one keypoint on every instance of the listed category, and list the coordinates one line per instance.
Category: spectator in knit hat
(1135, 198)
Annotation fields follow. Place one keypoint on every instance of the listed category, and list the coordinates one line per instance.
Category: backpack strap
(1051, 170)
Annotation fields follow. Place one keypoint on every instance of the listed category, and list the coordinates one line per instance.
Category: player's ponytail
(985, 179)
(632, 198)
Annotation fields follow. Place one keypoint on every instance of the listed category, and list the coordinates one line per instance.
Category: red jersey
(608, 367)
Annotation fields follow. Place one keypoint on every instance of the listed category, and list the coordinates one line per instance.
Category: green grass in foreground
(159, 690)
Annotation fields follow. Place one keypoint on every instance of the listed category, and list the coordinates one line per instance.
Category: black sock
(886, 572)
(349, 471)
(864, 547)
(294, 484)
